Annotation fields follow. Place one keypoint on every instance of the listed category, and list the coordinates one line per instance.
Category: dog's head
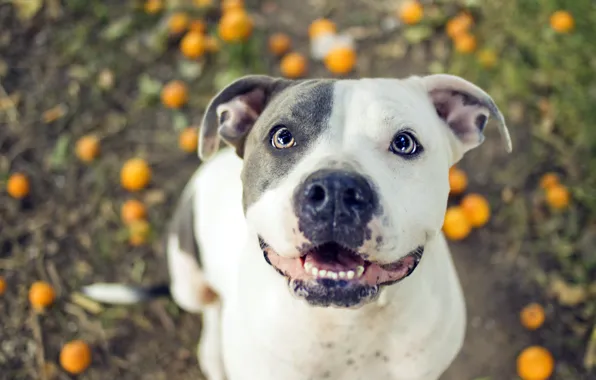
(345, 181)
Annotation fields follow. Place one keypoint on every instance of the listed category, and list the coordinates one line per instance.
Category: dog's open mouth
(340, 266)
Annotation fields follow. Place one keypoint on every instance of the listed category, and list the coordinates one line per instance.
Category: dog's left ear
(465, 108)
(233, 111)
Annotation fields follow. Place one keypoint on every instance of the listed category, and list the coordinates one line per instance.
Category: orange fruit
(558, 196)
(532, 316)
(153, 6)
(75, 357)
(487, 58)
(138, 232)
(411, 12)
(549, 180)
(535, 363)
(459, 24)
(41, 295)
(562, 21)
(293, 65)
(211, 44)
(198, 26)
(132, 210)
(458, 181)
(87, 148)
(2, 285)
(135, 174)
(178, 23)
(232, 5)
(174, 94)
(476, 208)
(456, 225)
(192, 44)
(188, 140)
(465, 43)
(279, 43)
(340, 60)
(235, 26)
(321, 26)
(17, 186)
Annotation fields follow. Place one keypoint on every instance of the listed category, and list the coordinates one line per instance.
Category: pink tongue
(336, 260)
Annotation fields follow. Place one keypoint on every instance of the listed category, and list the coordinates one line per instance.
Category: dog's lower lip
(345, 267)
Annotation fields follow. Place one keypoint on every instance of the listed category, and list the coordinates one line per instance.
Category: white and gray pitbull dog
(332, 194)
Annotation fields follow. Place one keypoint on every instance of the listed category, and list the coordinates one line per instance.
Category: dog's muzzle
(332, 275)
(334, 209)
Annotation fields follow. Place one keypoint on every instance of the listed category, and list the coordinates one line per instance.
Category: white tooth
(359, 271)
(307, 266)
(350, 274)
(322, 273)
(342, 274)
(332, 275)
(314, 271)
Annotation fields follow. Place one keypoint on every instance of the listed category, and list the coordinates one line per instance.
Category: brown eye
(282, 139)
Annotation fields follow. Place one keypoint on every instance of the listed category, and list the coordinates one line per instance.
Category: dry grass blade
(40, 349)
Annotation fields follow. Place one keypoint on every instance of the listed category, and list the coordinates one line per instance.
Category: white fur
(268, 334)
(259, 330)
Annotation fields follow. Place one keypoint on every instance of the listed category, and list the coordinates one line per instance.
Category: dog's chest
(330, 349)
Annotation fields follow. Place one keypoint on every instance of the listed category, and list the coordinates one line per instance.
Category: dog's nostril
(353, 198)
(350, 197)
(316, 194)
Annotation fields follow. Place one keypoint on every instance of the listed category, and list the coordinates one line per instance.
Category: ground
(79, 67)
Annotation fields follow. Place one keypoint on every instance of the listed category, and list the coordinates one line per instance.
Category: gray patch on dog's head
(304, 108)
(233, 111)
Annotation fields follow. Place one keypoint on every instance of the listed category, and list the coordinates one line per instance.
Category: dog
(312, 243)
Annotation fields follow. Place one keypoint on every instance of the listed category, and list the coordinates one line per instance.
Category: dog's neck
(428, 289)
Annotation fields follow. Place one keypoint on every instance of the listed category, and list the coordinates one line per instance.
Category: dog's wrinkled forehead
(304, 107)
(357, 119)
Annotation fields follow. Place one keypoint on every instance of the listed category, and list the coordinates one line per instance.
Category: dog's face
(345, 181)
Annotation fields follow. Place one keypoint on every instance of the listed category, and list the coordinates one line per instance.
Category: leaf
(568, 294)
(417, 34)
(79, 72)
(148, 86)
(59, 155)
(9, 102)
(436, 67)
(54, 113)
(26, 9)
(138, 269)
(590, 356)
(223, 78)
(190, 69)
(179, 121)
(117, 29)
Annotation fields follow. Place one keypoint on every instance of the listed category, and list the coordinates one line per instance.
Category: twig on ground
(85, 303)
(590, 357)
(54, 276)
(163, 316)
(13, 114)
(39, 353)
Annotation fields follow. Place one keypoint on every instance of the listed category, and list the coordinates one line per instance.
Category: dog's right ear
(233, 111)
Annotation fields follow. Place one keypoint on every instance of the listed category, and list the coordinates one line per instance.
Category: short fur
(243, 202)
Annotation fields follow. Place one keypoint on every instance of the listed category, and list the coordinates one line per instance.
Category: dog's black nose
(335, 205)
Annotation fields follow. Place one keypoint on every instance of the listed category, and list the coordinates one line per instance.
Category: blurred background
(99, 109)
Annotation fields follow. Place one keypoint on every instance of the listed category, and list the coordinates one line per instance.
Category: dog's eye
(404, 144)
(282, 138)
